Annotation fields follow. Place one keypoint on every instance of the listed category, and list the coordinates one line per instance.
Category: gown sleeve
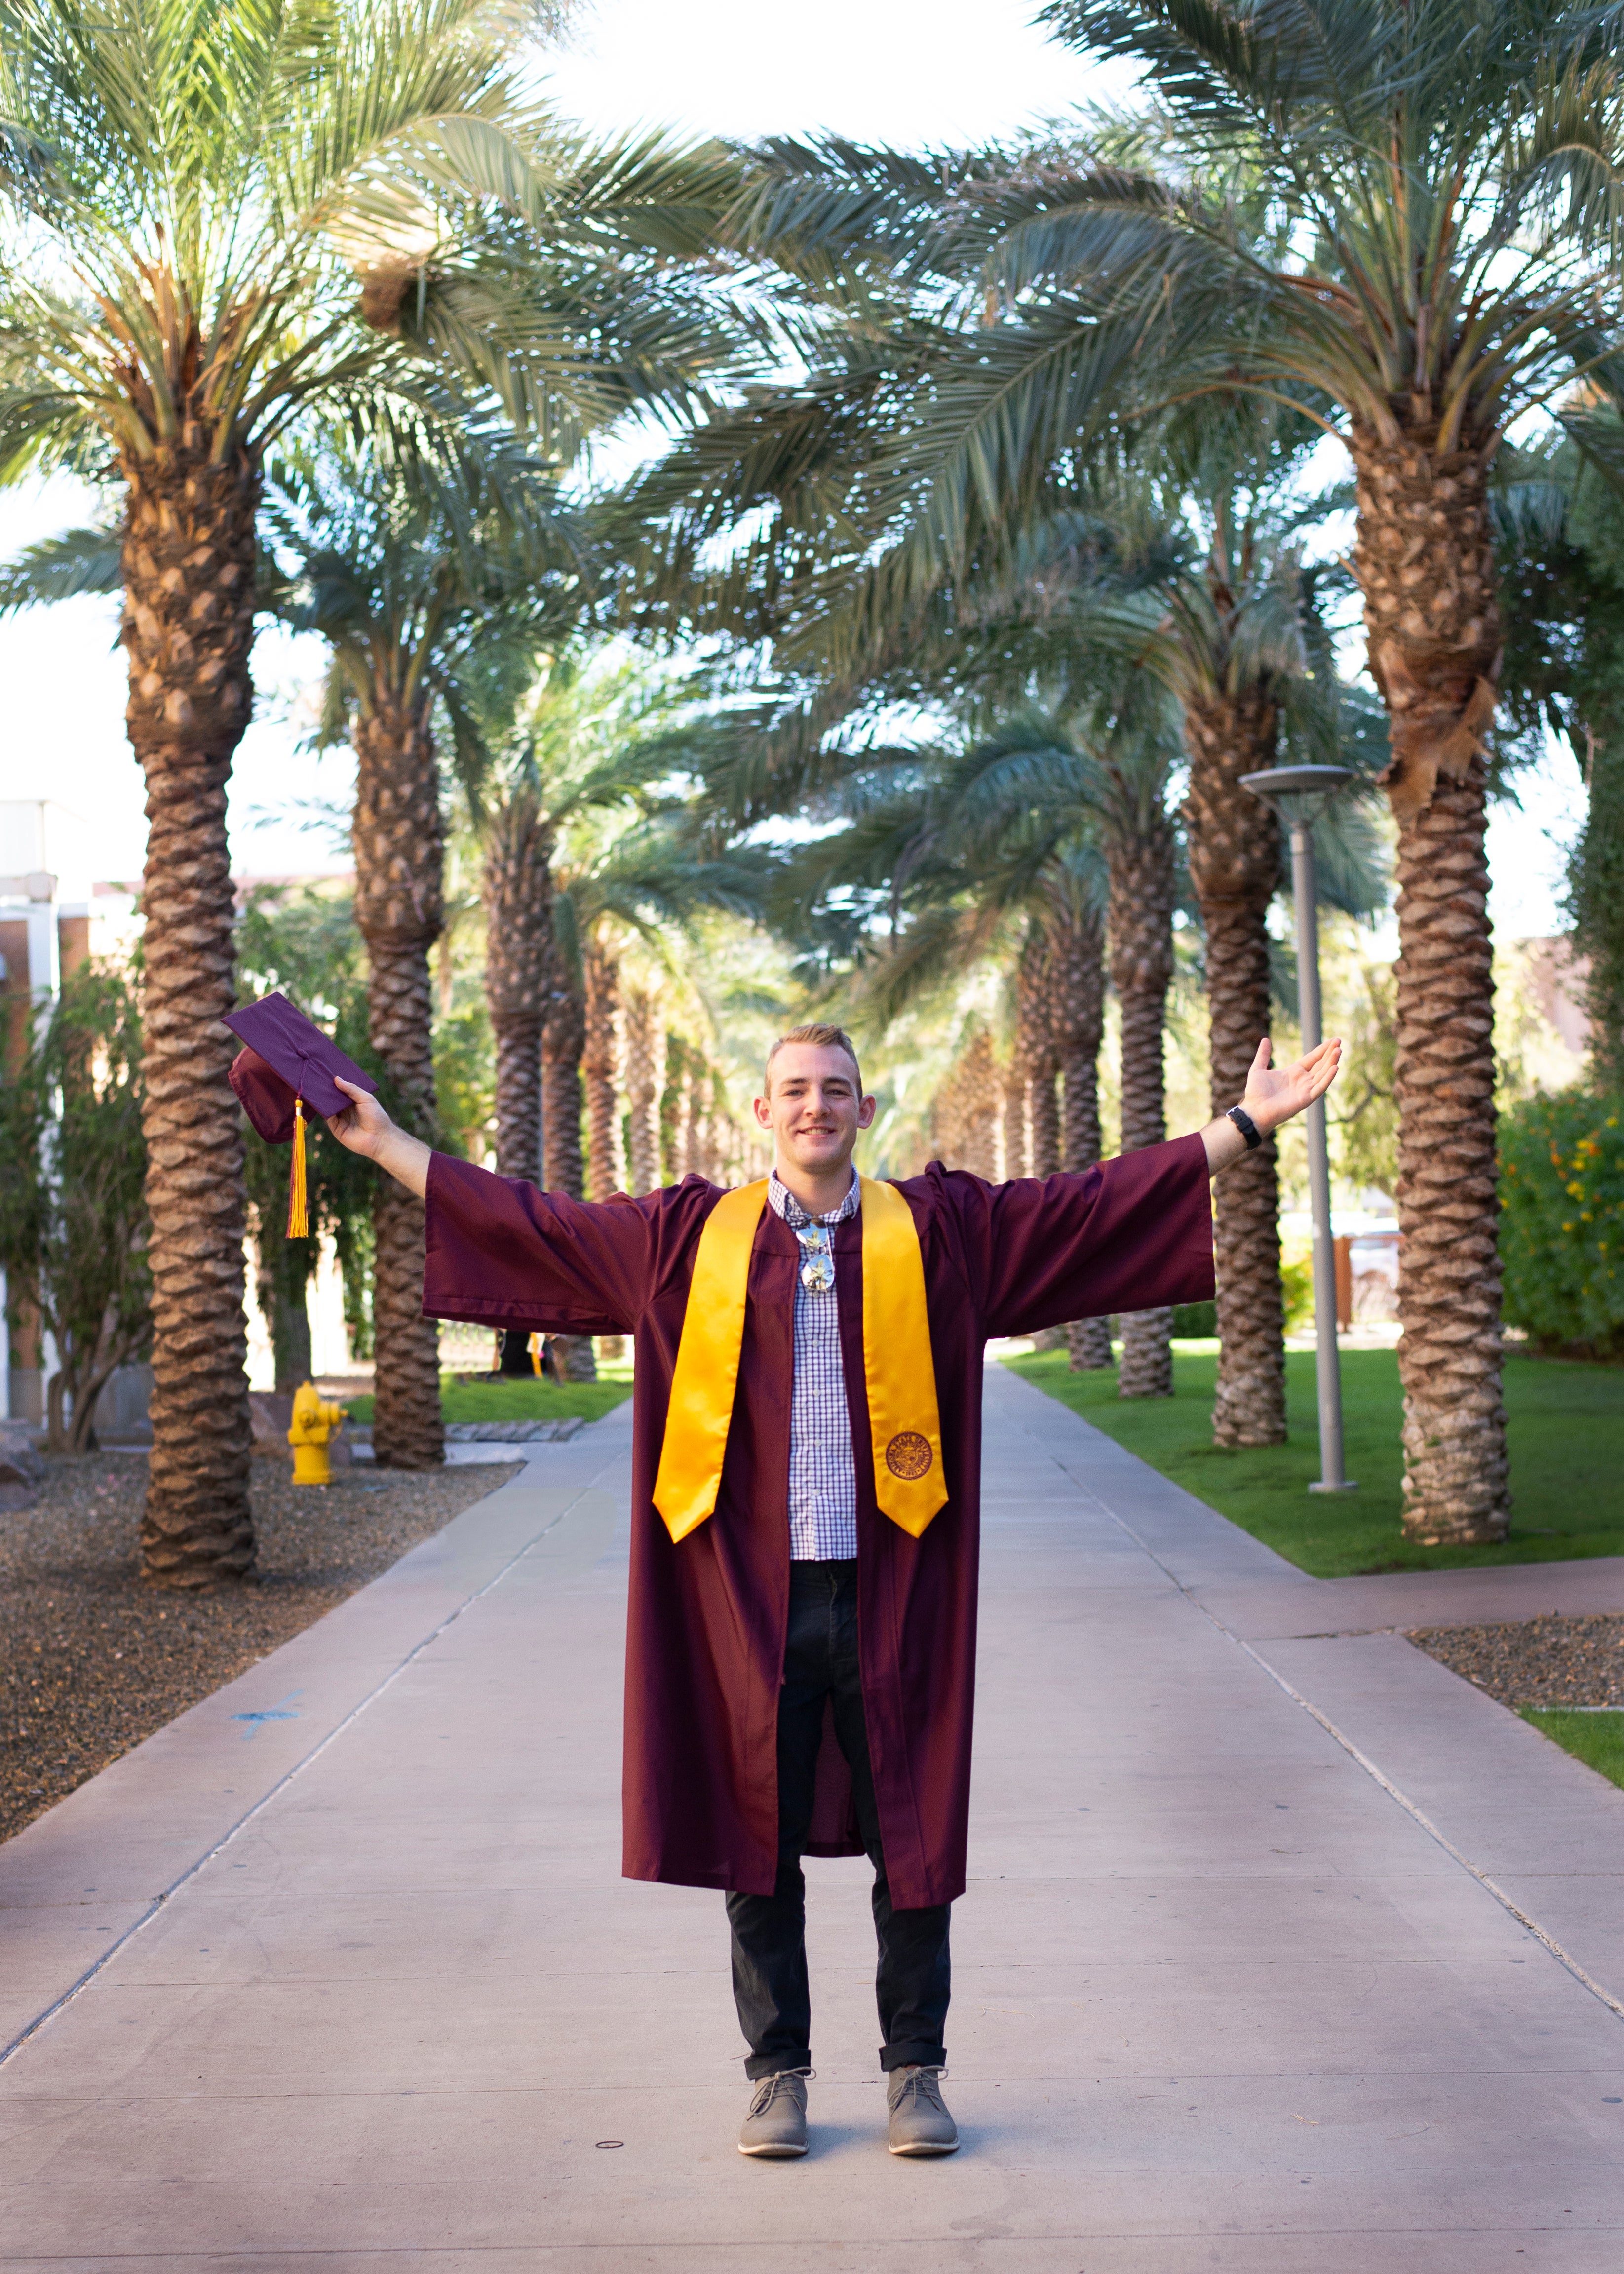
(1131, 1235)
(499, 1250)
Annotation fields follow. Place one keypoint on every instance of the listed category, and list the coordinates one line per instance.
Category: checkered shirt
(822, 1475)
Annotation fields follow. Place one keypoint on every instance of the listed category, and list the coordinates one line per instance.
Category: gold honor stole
(897, 1368)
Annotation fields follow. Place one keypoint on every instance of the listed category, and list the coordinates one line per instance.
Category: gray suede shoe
(920, 2123)
(775, 2123)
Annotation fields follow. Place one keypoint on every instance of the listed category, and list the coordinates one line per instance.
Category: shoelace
(924, 2084)
(766, 2091)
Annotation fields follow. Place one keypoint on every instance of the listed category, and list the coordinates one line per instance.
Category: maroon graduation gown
(707, 1617)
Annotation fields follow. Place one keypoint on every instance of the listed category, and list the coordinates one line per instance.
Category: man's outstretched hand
(365, 1127)
(1273, 1095)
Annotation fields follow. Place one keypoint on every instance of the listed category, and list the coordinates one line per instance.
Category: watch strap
(1247, 1126)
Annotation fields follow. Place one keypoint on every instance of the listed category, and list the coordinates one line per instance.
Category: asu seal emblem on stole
(908, 1455)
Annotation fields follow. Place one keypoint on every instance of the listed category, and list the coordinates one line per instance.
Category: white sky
(906, 71)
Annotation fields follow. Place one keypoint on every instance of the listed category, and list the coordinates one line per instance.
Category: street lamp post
(1297, 794)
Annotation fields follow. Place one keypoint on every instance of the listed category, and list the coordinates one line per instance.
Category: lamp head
(1298, 793)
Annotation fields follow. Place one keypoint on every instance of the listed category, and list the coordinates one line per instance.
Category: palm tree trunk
(976, 1086)
(694, 1150)
(1234, 859)
(1015, 1132)
(563, 1041)
(600, 1063)
(399, 908)
(1078, 1014)
(1141, 946)
(1040, 1103)
(1456, 1484)
(645, 1086)
(518, 1095)
(681, 1118)
(943, 1134)
(188, 560)
(1043, 1110)
(1089, 1342)
(1425, 565)
(517, 888)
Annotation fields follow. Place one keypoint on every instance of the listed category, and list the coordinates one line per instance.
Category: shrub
(1296, 1287)
(1562, 1221)
(1195, 1321)
(72, 1207)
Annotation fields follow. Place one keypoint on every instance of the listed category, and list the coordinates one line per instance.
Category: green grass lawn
(1597, 1739)
(462, 1400)
(1567, 1458)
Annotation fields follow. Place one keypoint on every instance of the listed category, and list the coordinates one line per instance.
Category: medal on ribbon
(818, 1262)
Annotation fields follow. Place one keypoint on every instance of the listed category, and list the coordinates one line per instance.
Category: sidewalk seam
(137, 1926)
(1548, 1942)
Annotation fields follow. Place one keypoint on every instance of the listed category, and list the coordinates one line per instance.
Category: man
(805, 1498)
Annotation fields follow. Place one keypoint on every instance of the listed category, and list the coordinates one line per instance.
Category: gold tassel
(298, 1201)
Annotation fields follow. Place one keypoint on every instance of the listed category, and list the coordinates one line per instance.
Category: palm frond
(64, 567)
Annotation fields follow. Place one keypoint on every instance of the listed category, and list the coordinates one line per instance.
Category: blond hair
(821, 1037)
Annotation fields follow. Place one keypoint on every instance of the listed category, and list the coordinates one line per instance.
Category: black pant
(768, 1931)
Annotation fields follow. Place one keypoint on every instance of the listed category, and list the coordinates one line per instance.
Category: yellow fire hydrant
(314, 1421)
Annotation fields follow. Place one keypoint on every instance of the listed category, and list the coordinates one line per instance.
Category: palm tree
(517, 853)
(415, 564)
(602, 1063)
(967, 1112)
(563, 1040)
(645, 1085)
(1142, 854)
(223, 217)
(1040, 1060)
(1398, 222)
(1077, 1013)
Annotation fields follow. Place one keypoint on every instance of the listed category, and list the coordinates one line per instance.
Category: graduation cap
(288, 1063)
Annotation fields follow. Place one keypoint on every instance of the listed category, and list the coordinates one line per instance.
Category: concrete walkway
(1249, 1975)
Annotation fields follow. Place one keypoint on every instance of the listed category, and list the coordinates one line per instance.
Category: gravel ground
(1549, 1661)
(92, 1662)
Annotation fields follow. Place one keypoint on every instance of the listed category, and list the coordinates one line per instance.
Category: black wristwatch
(1247, 1126)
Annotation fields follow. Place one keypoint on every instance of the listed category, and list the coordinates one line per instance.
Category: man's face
(813, 1109)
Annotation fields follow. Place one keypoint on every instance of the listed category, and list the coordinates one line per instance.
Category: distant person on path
(801, 1645)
